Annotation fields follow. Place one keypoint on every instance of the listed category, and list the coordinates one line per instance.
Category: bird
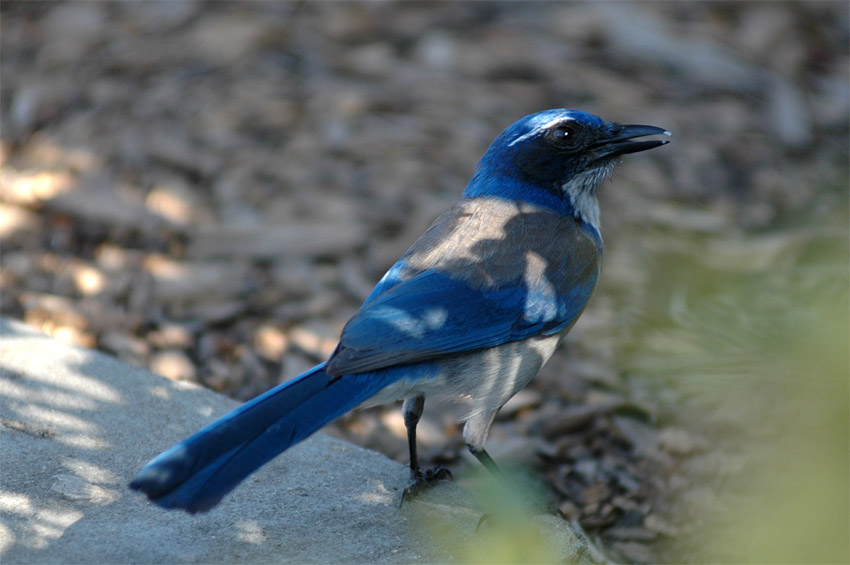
(471, 311)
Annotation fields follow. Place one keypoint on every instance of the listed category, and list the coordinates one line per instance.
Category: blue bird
(471, 311)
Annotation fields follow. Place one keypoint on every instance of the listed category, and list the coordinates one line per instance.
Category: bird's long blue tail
(198, 472)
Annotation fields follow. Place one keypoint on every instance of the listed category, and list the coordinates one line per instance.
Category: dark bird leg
(485, 459)
(412, 411)
(475, 433)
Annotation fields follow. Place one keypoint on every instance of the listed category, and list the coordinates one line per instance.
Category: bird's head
(558, 158)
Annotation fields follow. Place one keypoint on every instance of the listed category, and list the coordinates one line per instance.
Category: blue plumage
(473, 309)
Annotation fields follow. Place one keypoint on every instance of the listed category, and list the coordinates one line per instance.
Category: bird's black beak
(618, 141)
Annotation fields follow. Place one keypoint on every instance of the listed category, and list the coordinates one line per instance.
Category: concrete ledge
(76, 425)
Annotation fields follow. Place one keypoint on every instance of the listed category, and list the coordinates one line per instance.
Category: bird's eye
(561, 136)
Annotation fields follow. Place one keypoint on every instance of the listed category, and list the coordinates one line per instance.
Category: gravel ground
(209, 190)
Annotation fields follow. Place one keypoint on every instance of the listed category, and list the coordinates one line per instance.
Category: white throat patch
(581, 191)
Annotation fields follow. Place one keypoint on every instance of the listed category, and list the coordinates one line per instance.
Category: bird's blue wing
(487, 272)
(434, 314)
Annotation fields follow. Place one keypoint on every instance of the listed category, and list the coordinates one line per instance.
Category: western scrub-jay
(472, 310)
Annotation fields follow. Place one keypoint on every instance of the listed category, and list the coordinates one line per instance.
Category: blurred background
(209, 190)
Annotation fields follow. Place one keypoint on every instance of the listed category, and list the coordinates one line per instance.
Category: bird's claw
(481, 520)
(424, 481)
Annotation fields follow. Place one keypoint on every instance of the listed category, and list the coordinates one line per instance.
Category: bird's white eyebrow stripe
(539, 128)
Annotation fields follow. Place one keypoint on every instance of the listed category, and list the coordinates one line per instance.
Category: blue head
(557, 158)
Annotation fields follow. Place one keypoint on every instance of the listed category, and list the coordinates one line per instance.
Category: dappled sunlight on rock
(251, 531)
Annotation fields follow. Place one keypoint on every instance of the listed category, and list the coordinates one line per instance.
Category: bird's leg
(481, 454)
(475, 433)
(412, 411)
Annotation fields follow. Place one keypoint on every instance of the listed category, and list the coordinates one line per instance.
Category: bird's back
(492, 242)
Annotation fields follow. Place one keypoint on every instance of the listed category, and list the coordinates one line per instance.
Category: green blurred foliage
(745, 338)
(510, 523)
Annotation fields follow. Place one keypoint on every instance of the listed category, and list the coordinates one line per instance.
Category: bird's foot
(424, 481)
(484, 518)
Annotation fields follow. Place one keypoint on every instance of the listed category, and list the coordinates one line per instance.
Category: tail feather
(198, 472)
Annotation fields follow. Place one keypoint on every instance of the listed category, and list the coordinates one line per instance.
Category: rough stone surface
(77, 425)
